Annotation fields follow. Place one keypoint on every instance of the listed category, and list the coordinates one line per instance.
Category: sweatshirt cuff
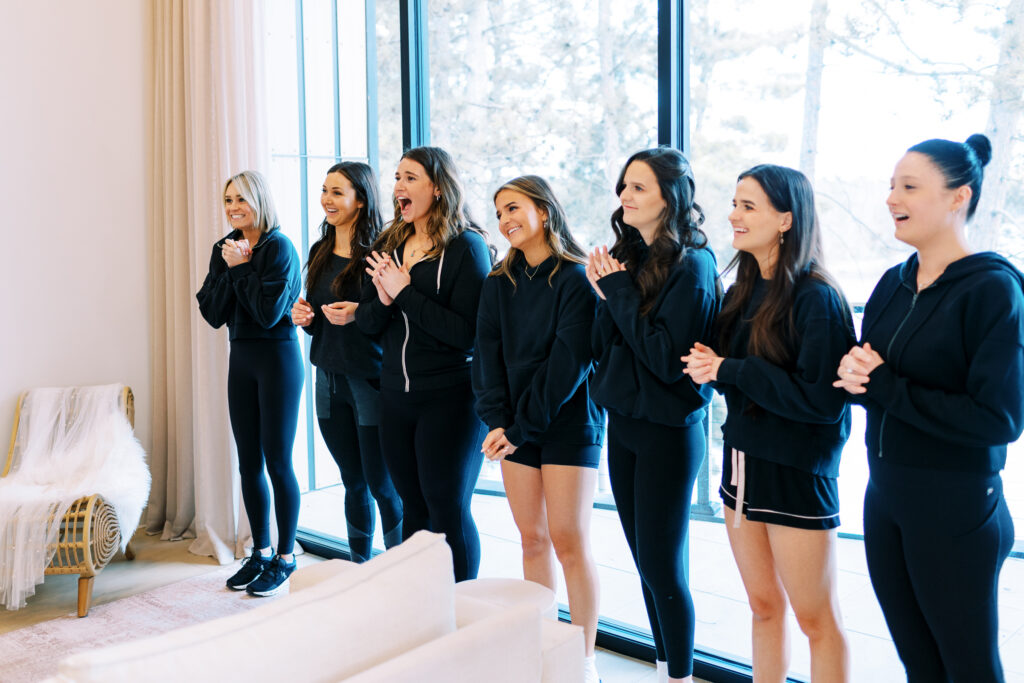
(407, 299)
(515, 436)
(240, 271)
(880, 384)
(729, 371)
(613, 282)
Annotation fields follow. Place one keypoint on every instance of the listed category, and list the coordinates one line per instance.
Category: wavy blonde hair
(560, 241)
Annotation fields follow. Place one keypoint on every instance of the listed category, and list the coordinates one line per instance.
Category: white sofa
(395, 618)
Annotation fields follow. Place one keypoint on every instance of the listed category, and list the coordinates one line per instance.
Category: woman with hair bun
(939, 373)
(531, 377)
(660, 293)
(784, 325)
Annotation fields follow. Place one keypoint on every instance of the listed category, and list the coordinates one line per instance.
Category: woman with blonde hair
(531, 377)
(426, 272)
(252, 282)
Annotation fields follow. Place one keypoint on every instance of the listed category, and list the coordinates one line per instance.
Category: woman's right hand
(495, 445)
(377, 262)
(302, 312)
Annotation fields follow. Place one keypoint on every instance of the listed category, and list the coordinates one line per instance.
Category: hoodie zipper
(405, 369)
(405, 319)
(888, 354)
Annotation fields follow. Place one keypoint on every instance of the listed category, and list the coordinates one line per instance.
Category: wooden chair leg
(84, 594)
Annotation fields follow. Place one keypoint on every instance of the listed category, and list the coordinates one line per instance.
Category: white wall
(74, 280)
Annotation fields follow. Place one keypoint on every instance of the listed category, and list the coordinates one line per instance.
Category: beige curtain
(208, 123)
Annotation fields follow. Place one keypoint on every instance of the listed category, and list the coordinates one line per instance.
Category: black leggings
(652, 469)
(431, 444)
(264, 387)
(935, 543)
(355, 446)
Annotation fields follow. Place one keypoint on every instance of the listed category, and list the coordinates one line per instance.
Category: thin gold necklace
(529, 275)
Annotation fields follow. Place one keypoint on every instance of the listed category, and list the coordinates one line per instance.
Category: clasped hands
(388, 278)
(338, 313)
(235, 251)
(702, 364)
(496, 445)
(855, 367)
(599, 264)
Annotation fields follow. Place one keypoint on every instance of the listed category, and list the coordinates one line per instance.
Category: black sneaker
(273, 580)
(252, 567)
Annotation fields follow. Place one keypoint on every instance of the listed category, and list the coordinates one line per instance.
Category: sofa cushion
(502, 648)
(335, 629)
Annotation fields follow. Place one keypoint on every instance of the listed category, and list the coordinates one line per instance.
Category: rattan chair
(89, 534)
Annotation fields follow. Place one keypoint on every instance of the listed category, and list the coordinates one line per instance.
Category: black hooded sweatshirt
(950, 394)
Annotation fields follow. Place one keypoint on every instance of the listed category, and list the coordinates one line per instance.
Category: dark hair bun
(981, 146)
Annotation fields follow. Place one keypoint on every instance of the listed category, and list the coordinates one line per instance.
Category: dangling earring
(781, 238)
(545, 225)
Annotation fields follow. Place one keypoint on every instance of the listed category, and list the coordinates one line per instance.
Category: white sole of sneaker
(272, 591)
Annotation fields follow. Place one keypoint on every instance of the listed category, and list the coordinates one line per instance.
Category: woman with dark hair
(784, 324)
(348, 361)
(426, 272)
(530, 376)
(939, 373)
(659, 295)
(253, 278)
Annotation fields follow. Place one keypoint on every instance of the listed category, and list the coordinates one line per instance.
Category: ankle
(267, 552)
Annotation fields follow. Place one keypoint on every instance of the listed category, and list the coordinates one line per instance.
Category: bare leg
(766, 595)
(525, 491)
(569, 497)
(805, 560)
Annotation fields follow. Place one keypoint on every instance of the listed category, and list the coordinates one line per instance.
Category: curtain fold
(208, 123)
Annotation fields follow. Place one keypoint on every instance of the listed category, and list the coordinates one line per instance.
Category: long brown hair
(365, 230)
(556, 229)
(680, 224)
(448, 218)
(772, 332)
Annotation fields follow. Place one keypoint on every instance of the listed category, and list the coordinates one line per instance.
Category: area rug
(31, 654)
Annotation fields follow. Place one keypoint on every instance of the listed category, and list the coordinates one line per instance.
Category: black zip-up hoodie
(428, 331)
(253, 298)
(791, 415)
(639, 373)
(340, 349)
(950, 394)
(533, 358)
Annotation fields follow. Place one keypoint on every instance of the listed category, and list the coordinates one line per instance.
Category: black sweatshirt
(340, 349)
(428, 331)
(253, 298)
(950, 394)
(533, 358)
(791, 415)
(639, 373)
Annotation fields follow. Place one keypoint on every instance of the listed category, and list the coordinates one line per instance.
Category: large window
(568, 90)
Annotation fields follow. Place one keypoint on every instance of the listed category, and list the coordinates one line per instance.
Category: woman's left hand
(702, 364)
(235, 252)
(393, 278)
(855, 367)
